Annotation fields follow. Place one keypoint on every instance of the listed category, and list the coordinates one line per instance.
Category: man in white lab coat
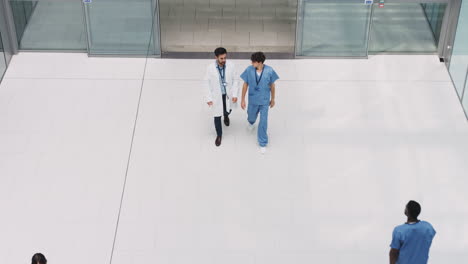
(221, 90)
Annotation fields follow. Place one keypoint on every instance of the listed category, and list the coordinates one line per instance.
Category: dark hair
(220, 51)
(258, 57)
(414, 209)
(38, 258)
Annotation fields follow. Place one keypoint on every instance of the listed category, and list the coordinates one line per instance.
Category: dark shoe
(218, 141)
(227, 122)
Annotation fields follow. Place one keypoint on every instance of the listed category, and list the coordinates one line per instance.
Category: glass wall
(459, 61)
(3, 64)
(121, 27)
(333, 28)
(49, 24)
(351, 28)
(406, 28)
(435, 16)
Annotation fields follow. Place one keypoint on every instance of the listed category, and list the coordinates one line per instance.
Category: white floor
(351, 142)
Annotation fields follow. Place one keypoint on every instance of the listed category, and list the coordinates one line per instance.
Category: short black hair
(414, 209)
(38, 258)
(220, 51)
(258, 57)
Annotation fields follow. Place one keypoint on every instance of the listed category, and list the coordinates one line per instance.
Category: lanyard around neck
(222, 71)
(257, 79)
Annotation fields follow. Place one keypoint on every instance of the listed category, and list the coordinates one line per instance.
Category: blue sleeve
(396, 240)
(274, 77)
(245, 75)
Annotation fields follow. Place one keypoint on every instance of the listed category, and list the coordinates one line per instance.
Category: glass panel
(459, 60)
(120, 27)
(435, 16)
(334, 29)
(465, 98)
(49, 24)
(406, 27)
(2, 59)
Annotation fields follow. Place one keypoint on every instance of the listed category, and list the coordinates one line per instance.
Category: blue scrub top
(259, 94)
(413, 241)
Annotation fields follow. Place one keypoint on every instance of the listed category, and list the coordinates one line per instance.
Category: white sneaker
(250, 127)
(262, 150)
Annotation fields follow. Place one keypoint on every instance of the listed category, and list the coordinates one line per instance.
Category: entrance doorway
(358, 28)
(194, 28)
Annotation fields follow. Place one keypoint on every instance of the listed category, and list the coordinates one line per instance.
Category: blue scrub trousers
(252, 114)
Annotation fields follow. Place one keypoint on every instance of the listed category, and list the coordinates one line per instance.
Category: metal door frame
(452, 24)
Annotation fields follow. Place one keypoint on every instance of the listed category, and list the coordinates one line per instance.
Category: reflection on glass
(459, 60)
(2, 59)
(435, 16)
(49, 24)
(120, 27)
(465, 99)
(406, 28)
(334, 29)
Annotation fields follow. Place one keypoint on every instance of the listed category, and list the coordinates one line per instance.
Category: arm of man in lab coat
(235, 85)
(244, 91)
(207, 90)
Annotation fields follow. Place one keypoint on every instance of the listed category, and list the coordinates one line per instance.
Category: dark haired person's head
(413, 209)
(221, 55)
(257, 59)
(39, 258)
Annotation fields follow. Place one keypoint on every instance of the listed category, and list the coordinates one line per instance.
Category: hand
(272, 103)
(210, 103)
(243, 104)
(234, 100)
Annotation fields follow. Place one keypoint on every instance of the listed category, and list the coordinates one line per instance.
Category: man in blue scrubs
(411, 241)
(259, 80)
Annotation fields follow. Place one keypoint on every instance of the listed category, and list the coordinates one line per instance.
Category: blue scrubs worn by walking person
(413, 242)
(259, 88)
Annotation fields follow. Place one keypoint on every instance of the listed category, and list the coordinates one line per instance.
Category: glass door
(122, 27)
(356, 28)
(333, 28)
(49, 25)
(408, 27)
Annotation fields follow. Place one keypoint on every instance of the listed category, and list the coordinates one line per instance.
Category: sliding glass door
(49, 25)
(356, 28)
(333, 28)
(407, 27)
(122, 27)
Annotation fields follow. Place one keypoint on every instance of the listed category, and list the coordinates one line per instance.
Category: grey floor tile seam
(142, 79)
(73, 78)
(315, 81)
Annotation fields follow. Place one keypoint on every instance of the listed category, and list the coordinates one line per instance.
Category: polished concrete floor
(113, 159)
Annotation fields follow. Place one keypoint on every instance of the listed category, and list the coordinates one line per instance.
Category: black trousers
(217, 119)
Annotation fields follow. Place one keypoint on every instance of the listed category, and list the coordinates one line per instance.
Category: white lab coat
(212, 88)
